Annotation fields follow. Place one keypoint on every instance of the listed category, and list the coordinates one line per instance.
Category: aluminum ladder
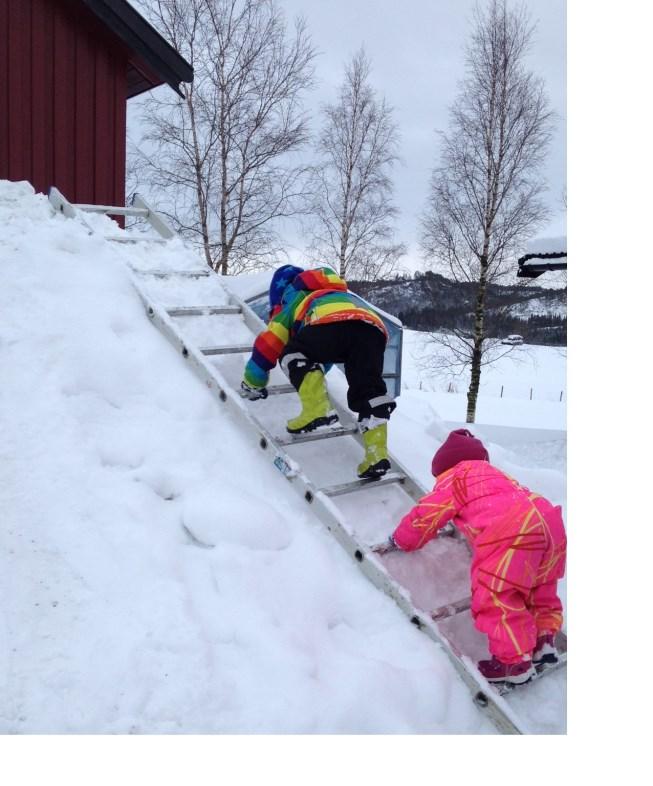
(138, 209)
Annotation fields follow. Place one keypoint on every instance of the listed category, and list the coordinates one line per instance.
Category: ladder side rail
(412, 486)
(156, 219)
(61, 205)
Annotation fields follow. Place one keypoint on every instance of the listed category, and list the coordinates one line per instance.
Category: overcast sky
(417, 53)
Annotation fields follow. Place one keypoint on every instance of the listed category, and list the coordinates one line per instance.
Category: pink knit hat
(460, 445)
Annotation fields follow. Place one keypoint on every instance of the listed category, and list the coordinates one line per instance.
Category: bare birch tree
(221, 160)
(485, 195)
(352, 209)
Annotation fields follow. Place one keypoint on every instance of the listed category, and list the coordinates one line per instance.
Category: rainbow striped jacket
(314, 297)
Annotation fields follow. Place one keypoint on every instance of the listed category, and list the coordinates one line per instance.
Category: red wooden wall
(63, 93)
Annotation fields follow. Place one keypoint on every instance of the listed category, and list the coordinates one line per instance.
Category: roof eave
(141, 38)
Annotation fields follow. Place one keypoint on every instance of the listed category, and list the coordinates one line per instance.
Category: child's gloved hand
(253, 394)
(389, 545)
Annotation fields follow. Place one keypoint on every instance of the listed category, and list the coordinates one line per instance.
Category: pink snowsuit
(519, 545)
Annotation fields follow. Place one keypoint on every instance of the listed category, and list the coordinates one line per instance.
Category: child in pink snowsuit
(518, 543)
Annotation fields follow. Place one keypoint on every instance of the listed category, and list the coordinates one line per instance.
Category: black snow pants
(354, 343)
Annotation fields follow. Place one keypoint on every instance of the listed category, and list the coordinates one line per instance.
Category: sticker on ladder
(286, 465)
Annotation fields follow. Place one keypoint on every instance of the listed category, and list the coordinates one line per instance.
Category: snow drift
(114, 622)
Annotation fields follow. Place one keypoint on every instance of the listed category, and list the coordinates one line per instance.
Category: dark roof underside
(155, 61)
(533, 265)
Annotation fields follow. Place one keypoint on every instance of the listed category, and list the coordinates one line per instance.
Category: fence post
(531, 394)
(561, 392)
(501, 396)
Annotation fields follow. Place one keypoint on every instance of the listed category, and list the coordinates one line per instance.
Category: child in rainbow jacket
(518, 554)
(314, 322)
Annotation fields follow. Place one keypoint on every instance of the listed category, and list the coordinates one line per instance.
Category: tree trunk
(199, 181)
(477, 352)
(344, 227)
(342, 256)
(223, 264)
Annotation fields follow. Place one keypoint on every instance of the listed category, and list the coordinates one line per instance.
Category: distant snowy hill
(430, 301)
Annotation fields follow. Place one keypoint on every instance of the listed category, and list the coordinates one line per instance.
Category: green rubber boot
(316, 409)
(376, 462)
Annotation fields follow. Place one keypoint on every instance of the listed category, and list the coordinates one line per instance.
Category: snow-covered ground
(113, 622)
(525, 388)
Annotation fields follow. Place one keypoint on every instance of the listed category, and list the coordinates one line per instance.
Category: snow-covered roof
(543, 255)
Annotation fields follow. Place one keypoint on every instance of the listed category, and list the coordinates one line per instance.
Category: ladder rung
(294, 439)
(200, 311)
(172, 273)
(276, 390)
(356, 485)
(451, 609)
(127, 239)
(234, 349)
(112, 210)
